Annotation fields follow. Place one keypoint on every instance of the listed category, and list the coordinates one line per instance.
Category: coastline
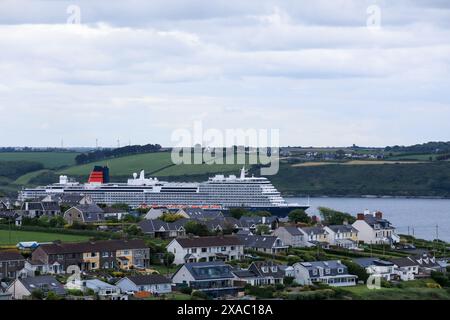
(287, 196)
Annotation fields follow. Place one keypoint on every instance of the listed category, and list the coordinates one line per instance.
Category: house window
(340, 270)
(327, 271)
(204, 249)
(314, 272)
(105, 254)
(93, 254)
(223, 249)
(126, 252)
(194, 250)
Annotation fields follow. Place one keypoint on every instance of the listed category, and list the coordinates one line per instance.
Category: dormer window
(265, 269)
(274, 268)
(327, 271)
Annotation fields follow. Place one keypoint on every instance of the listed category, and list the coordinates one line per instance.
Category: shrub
(186, 290)
(260, 292)
(288, 281)
(199, 295)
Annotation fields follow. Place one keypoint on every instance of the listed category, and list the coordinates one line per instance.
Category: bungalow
(215, 278)
(159, 229)
(153, 283)
(405, 268)
(105, 291)
(84, 213)
(261, 273)
(267, 244)
(292, 236)
(206, 249)
(36, 209)
(24, 287)
(375, 266)
(107, 254)
(332, 272)
(11, 262)
(345, 236)
(428, 263)
(372, 228)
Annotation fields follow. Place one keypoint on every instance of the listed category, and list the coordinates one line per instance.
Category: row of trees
(118, 152)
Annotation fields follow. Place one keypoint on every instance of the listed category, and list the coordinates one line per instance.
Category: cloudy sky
(137, 72)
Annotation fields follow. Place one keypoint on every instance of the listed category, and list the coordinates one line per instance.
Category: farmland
(49, 160)
(15, 236)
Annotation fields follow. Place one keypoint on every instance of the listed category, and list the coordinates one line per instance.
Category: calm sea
(420, 215)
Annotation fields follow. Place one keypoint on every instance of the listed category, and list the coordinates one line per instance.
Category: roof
(258, 268)
(217, 241)
(150, 226)
(404, 262)
(331, 264)
(80, 247)
(314, 230)
(371, 220)
(342, 228)
(88, 208)
(148, 279)
(99, 284)
(367, 262)
(198, 213)
(256, 241)
(43, 283)
(9, 255)
(246, 221)
(209, 270)
(293, 231)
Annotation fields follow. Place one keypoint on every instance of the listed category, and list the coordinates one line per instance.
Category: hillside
(49, 160)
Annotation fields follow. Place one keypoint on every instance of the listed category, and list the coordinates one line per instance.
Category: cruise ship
(219, 192)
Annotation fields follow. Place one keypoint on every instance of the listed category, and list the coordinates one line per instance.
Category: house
(154, 213)
(372, 228)
(316, 235)
(261, 273)
(154, 283)
(405, 268)
(114, 213)
(200, 213)
(220, 224)
(24, 287)
(206, 249)
(11, 262)
(73, 199)
(292, 236)
(332, 272)
(84, 213)
(36, 208)
(375, 266)
(428, 263)
(215, 278)
(107, 254)
(105, 291)
(252, 223)
(267, 244)
(345, 236)
(5, 204)
(159, 229)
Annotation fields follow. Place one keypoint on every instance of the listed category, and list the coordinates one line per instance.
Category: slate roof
(333, 265)
(81, 247)
(404, 262)
(372, 221)
(8, 255)
(198, 213)
(342, 228)
(250, 221)
(367, 262)
(256, 241)
(89, 208)
(44, 283)
(201, 242)
(257, 268)
(209, 270)
(148, 279)
(156, 225)
(293, 231)
(314, 230)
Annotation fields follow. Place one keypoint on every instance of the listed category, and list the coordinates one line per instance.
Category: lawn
(50, 160)
(18, 236)
(25, 179)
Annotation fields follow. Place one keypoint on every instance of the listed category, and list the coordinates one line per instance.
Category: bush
(279, 286)
(186, 290)
(260, 292)
(288, 281)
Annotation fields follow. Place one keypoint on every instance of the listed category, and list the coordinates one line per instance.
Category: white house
(24, 287)
(206, 249)
(345, 236)
(372, 228)
(153, 283)
(104, 290)
(292, 236)
(375, 266)
(332, 272)
(406, 268)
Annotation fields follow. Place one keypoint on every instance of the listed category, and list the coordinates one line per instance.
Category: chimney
(315, 219)
(345, 222)
(360, 216)
(264, 220)
(379, 215)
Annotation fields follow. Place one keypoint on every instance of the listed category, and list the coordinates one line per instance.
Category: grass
(25, 179)
(18, 236)
(156, 164)
(172, 296)
(50, 160)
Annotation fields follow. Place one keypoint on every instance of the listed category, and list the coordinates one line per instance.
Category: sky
(322, 73)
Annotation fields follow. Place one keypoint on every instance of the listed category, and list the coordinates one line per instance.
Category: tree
(356, 270)
(262, 229)
(334, 217)
(37, 294)
(299, 215)
(170, 217)
(196, 228)
(57, 222)
(237, 213)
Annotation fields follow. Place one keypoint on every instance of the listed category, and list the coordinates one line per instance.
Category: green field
(50, 160)
(25, 179)
(18, 236)
(156, 164)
